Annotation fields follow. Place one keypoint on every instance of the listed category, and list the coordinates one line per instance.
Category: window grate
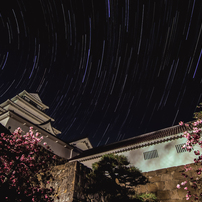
(179, 148)
(150, 154)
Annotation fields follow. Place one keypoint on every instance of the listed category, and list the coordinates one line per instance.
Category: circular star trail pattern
(108, 70)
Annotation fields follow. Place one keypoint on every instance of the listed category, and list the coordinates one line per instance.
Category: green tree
(113, 178)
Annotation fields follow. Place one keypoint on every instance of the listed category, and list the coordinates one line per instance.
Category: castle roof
(32, 98)
(147, 139)
(36, 96)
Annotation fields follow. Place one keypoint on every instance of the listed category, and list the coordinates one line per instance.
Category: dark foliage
(113, 179)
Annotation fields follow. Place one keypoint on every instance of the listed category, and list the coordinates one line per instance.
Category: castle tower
(26, 110)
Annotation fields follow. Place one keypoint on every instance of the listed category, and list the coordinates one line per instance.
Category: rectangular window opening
(179, 148)
(150, 154)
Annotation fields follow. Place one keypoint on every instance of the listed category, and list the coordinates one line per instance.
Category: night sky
(109, 70)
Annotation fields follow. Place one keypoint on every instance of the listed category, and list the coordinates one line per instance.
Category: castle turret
(26, 110)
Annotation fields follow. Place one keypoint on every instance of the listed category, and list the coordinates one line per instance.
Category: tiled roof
(145, 138)
(36, 96)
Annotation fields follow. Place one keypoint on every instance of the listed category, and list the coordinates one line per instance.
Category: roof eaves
(160, 135)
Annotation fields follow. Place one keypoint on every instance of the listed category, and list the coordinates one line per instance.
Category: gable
(82, 144)
(36, 96)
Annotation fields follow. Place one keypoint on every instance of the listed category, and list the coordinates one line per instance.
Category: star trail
(108, 70)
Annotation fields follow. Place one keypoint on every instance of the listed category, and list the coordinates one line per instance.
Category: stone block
(146, 174)
(142, 189)
(161, 171)
(160, 185)
(170, 185)
(174, 195)
(195, 165)
(192, 173)
(163, 194)
(154, 178)
(178, 176)
(166, 177)
(179, 168)
(152, 187)
(171, 169)
(181, 193)
(172, 172)
(152, 173)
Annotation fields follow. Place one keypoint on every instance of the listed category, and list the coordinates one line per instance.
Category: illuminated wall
(148, 158)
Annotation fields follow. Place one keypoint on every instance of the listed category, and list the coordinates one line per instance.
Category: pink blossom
(178, 186)
(187, 168)
(23, 147)
(181, 123)
(22, 157)
(185, 188)
(189, 148)
(197, 152)
(184, 146)
(183, 183)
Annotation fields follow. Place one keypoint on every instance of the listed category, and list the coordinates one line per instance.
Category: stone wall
(69, 180)
(163, 183)
(80, 183)
(63, 182)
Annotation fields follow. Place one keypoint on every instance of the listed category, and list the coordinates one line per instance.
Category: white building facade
(148, 152)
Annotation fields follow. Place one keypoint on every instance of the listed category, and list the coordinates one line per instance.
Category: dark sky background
(107, 69)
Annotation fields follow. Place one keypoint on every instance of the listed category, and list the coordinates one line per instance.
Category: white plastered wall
(167, 156)
(58, 149)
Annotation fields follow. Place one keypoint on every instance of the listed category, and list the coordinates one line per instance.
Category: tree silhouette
(113, 178)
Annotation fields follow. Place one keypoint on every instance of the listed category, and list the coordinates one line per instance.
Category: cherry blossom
(178, 186)
(21, 159)
(181, 123)
(193, 138)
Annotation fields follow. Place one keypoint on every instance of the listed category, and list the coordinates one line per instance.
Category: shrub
(151, 197)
